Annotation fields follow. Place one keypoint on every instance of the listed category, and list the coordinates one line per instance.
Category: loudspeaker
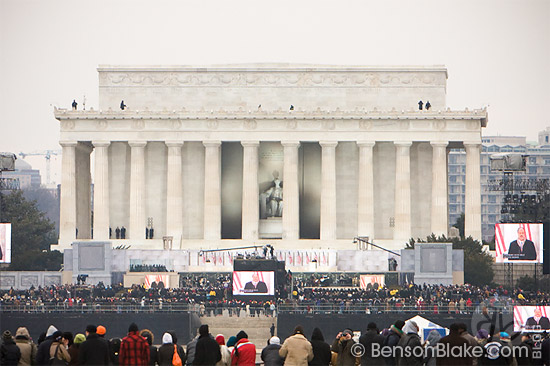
(281, 273)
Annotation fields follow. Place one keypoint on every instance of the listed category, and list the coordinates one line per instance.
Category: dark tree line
(32, 233)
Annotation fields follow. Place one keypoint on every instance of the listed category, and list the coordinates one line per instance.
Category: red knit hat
(220, 339)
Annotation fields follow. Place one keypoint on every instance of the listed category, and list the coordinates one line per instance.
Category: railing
(365, 308)
(98, 308)
(211, 310)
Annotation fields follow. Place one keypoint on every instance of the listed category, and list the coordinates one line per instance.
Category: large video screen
(5, 243)
(372, 281)
(253, 283)
(531, 318)
(519, 243)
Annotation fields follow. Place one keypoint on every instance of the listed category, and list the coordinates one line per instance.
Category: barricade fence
(211, 309)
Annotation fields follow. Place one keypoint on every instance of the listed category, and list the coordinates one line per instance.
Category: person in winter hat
(9, 352)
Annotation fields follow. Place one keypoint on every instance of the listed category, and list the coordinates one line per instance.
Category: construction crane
(47, 154)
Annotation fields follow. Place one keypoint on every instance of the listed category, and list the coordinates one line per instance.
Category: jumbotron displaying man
(522, 249)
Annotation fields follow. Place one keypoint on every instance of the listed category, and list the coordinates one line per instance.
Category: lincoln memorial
(302, 157)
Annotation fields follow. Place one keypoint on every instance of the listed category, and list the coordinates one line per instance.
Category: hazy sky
(497, 52)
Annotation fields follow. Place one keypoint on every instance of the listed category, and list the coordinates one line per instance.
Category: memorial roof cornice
(318, 114)
(272, 67)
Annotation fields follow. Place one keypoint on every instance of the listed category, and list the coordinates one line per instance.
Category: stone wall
(23, 280)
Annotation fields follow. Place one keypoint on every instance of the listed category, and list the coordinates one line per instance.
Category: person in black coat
(537, 321)
(166, 351)
(372, 336)
(207, 350)
(525, 356)
(256, 286)
(392, 339)
(95, 350)
(321, 349)
(522, 249)
(9, 352)
(270, 354)
(43, 353)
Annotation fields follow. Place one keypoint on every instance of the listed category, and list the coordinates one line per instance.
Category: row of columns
(250, 209)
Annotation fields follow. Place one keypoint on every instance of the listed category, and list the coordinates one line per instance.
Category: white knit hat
(274, 340)
(166, 338)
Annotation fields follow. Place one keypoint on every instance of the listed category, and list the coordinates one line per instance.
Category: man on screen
(537, 321)
(255, 286)
(522, 249)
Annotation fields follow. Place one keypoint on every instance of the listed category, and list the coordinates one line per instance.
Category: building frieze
(273, 76)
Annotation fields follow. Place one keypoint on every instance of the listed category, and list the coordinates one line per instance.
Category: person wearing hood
(226, 354)
(75, 348)
(134, 350)
(207, 350)
(321, 349)
(153, 352)
(95, 350)
(9, 352)
(372, 336)
(392, 340)
(270, 354)
(43, 352)
(165, 353)
(433, 338)
(454, 339)
(26, 346)
(58, 349)
(410, 341)
(244, 353)
(296, 349)
(342, 346)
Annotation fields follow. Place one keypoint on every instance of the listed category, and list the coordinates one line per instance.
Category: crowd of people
(400, 344)
(213, 297)
(148, 268)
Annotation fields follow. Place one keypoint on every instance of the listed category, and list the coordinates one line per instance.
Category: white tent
(426, 326)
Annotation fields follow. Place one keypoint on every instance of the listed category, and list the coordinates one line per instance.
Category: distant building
(29, 178)
(544, 137)
(538, 166)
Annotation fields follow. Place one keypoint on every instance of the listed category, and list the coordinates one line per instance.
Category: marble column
(101, 190)
(439, 213)
(251, 207)
(137, 190)
(67, 219)
(212, 190)
(291, 201)
(328, 190)
(83, 190)
(472, 220)
(365, 204)
(174, 191)
(402, 229)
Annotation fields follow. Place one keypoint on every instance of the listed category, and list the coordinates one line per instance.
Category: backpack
(56, 361)
(176, 359)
